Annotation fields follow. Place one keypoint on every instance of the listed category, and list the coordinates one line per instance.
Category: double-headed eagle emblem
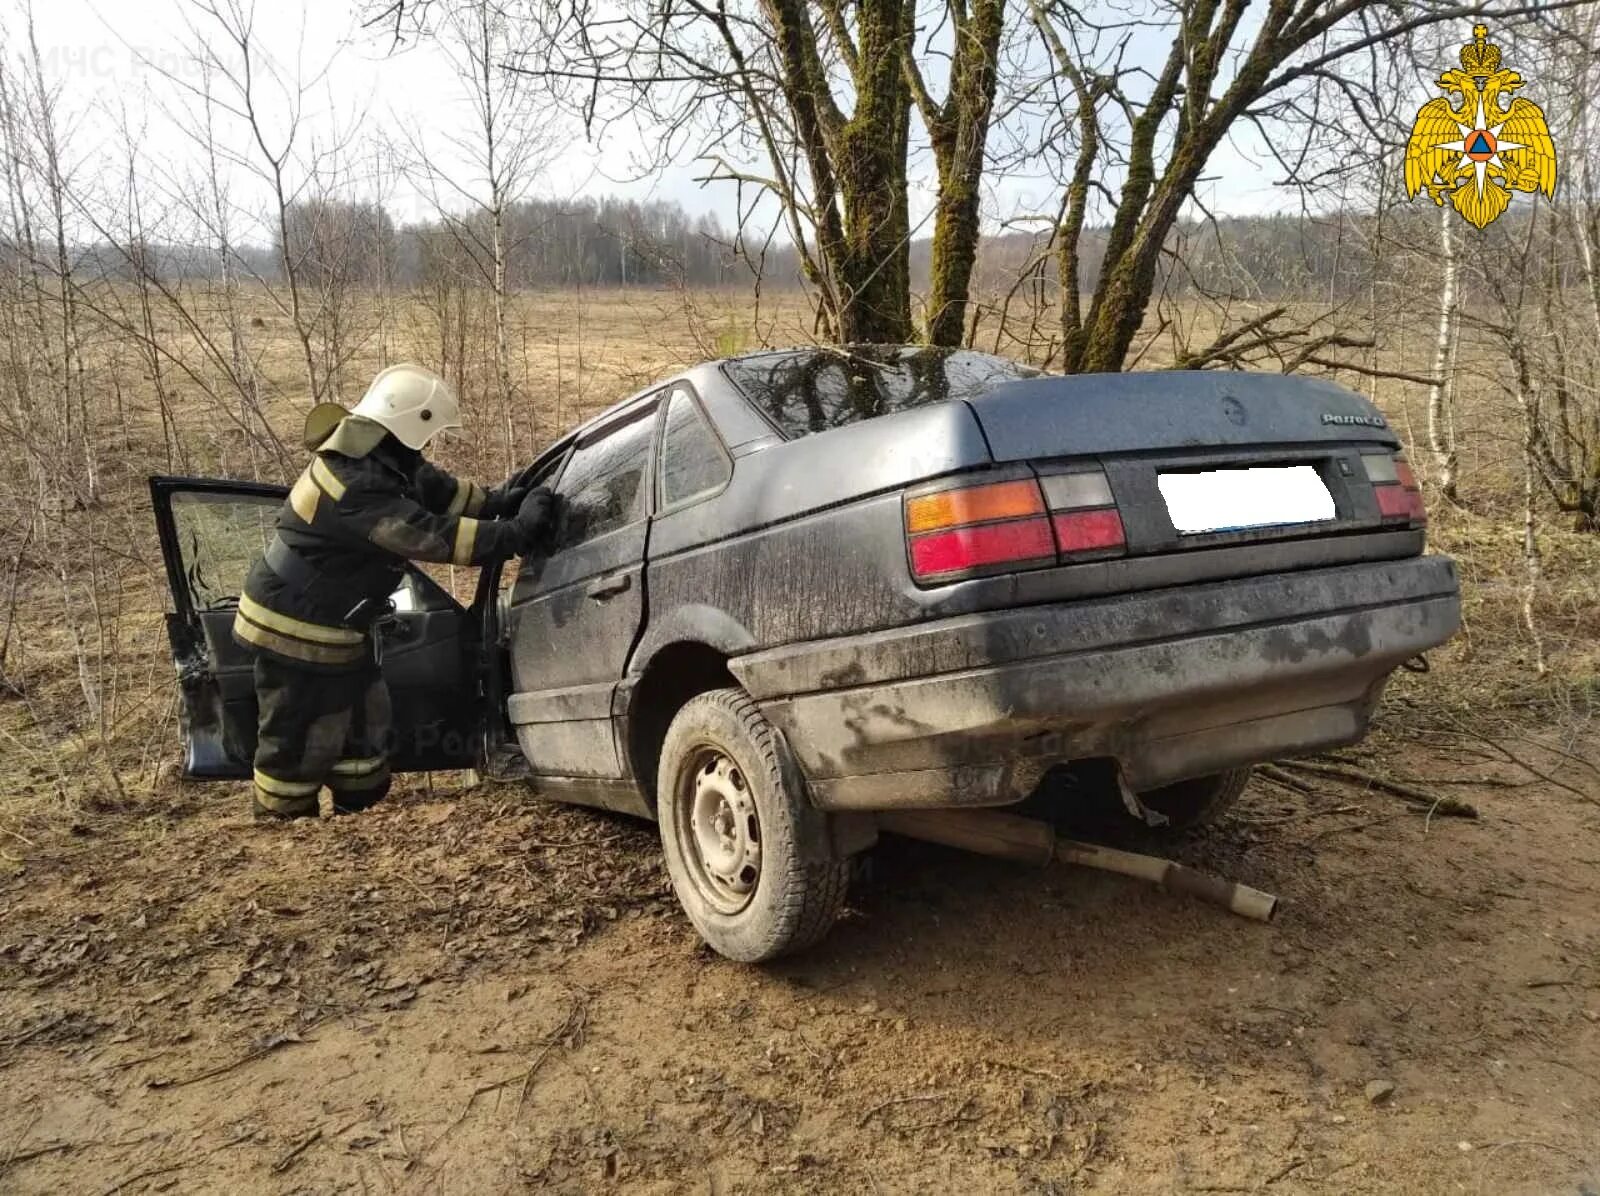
(1476, 152)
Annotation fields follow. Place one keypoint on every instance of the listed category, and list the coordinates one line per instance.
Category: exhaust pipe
(1030, 841)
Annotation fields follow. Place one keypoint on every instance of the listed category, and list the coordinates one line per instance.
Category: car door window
(219, 538)
(693, 461)
(542, 473)
(602, 487)
(220, 535)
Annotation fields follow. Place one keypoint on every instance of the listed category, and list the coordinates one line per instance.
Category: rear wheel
(749, 855)
(1199, 801)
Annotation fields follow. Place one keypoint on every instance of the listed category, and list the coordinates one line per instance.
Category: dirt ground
(469, 991)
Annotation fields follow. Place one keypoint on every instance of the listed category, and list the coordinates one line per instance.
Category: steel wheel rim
(719, 830)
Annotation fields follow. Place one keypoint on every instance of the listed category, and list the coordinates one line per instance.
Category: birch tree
(1441, 390)
(477, 176)
(264, 104)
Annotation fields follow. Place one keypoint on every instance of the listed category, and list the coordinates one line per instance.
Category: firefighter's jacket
(364, 506)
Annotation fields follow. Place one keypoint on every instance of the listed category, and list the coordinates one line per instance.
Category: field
(468, 991)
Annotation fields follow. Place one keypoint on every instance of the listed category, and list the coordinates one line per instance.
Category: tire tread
(1201, 801)
(812, 891)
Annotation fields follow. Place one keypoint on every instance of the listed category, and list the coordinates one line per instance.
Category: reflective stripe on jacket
(364, 505)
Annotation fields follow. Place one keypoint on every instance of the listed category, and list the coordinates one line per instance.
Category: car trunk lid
(1108, 467)
(1200, 459)
(1096, 414)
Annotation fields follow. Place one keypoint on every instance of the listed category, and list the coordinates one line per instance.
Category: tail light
(1083, 514)
(1026, 523)
(963, 532)
(1395, 487)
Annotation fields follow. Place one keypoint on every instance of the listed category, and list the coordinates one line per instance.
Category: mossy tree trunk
(857, 162)
(1171, 131)
(824, 90)
(875, 268)
(958, 130)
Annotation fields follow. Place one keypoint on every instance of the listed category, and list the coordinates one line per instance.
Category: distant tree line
(611, 242)
(583, 243)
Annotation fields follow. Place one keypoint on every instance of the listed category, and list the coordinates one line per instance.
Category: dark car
(795, 589)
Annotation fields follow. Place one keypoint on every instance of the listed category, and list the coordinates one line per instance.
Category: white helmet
(414, 404)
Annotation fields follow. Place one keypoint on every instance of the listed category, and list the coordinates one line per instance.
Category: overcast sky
(111, 54)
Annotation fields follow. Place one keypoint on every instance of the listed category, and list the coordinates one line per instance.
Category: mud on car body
(793, 589)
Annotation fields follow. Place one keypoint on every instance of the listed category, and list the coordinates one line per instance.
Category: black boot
(354, 801)
(263, 813)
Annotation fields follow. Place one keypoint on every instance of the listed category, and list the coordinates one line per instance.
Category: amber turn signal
(974, 504)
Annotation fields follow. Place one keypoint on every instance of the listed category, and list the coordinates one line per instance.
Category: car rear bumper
(1174, 683)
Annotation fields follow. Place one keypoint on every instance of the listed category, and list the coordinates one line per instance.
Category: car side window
(692, 459)
(545, 474)
(602, 487)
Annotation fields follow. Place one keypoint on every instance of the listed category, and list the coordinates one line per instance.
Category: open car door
(211, 533)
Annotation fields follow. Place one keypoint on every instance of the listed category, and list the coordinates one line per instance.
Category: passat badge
(1359, 421)
(1475, 151)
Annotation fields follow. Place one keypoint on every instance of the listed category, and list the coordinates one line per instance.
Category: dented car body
(936, 574)
(784, 561)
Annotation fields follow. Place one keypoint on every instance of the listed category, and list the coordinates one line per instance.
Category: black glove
(504, 501)
(535, 518)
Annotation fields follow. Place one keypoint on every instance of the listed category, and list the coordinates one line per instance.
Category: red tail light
(1083, 513)
(1088, 531)
(960, 532)
(964, 549)
(1395, 487)
(1024, 523)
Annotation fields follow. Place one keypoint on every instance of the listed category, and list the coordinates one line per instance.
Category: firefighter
(367, 503)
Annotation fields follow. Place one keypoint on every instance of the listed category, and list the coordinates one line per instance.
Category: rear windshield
(811, 390)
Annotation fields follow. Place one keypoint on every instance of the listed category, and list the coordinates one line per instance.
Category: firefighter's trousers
(320, 729)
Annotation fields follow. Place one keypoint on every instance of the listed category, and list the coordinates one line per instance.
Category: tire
(749, 856)
(1199, 801)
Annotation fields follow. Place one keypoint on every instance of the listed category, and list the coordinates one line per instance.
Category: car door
(211, 532)
(575, 613)
(491, 606)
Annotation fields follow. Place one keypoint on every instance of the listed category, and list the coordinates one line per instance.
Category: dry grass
(576, 353)
(483, 993)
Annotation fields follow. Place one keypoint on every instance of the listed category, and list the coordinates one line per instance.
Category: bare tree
(1304, 74)
(48, 414)
(140, 257)
(1577, 60)
(245, 84)
(485, 173)
(1441, 391)
(808, 105)
(1537, 280)
(41, 133)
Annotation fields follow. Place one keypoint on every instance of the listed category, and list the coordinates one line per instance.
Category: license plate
(1225, 500)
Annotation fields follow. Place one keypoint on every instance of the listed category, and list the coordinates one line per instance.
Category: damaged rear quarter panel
(807, 541)
(797, 572)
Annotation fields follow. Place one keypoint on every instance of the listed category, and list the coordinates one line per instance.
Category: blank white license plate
(1222, 500)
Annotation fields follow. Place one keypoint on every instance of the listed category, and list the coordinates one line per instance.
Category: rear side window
(602, 487)
(692, 460)
(811, 390)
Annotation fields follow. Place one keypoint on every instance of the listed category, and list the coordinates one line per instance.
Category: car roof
(621, 406)
(709, 374)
